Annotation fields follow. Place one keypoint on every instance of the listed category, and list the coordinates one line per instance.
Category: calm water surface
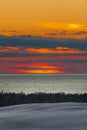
(43, 83)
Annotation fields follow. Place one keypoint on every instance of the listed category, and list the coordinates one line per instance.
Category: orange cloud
(39, 65)
(45, 29)
(57, 50)
(62, 26)
(75, 26)
(9, 49)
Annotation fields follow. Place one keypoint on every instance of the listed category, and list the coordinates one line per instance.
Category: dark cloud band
(40, 42)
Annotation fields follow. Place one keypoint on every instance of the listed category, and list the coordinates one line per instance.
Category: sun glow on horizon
(42, 71)
(75, 26)
(64, 26)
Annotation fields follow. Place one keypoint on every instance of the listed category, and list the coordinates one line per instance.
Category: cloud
(26, 45)
(67, 26)
(57, 50)
(80, 33)
(74, 26)
(51, 66)
(44, 64)
(35, 54)
(41, 42)
(28, 52)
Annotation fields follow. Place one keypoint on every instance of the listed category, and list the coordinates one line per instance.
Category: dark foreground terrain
(7, 99)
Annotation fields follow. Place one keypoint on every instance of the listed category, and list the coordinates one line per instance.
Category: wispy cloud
(66, 26)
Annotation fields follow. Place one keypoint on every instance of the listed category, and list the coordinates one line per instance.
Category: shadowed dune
(57, 116)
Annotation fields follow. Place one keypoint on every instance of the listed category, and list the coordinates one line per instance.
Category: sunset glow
(43, 36)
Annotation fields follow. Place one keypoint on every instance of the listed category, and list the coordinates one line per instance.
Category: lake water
(49, 83)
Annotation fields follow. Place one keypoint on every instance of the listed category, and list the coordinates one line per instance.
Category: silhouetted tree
(7, 99)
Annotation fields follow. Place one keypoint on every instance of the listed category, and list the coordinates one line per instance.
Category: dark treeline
(7, 99)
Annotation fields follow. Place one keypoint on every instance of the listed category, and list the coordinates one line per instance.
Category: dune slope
(60, 116)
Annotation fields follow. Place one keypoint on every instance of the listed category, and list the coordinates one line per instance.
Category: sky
(43, 36)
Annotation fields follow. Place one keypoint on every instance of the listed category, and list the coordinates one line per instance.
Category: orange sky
(37, 17)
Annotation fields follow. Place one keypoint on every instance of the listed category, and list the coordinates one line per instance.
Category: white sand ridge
(44, 116)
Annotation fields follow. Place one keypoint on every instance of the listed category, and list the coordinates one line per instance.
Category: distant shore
(7, 99)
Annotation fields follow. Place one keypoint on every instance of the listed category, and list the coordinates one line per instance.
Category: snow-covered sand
(60, 116)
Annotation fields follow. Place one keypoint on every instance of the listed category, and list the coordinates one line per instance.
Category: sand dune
(61, 116)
